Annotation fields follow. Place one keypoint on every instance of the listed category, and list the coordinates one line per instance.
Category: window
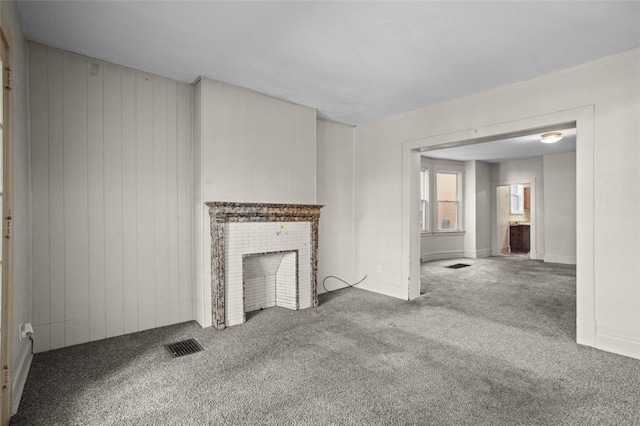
(448, 198)
(424, 200)
(516, 196)
(441, 197)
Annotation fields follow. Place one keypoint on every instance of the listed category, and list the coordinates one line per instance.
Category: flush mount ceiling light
(551, 137)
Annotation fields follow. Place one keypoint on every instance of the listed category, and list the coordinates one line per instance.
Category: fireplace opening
(270, 279)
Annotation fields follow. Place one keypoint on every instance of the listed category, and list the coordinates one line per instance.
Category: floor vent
(185, 347)
(458, 266)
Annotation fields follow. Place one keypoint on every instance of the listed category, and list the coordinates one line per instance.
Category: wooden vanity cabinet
(519, 238)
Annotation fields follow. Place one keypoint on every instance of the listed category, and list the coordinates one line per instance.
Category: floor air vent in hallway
(185, 347)
(458, 266)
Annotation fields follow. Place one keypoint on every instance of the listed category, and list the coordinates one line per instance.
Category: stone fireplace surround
(274, 219)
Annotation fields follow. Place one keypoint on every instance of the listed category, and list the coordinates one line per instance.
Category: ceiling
(512, 148)
(354, 61)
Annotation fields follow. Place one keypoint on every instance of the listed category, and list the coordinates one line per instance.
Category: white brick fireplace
(262, 255)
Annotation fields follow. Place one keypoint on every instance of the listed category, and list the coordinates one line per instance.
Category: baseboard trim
(556, 258)
(373, 287)
(617, 344)
(442, 255)
(20, 372)
(477, 254)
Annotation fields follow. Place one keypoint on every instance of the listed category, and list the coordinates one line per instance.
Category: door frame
(6, 305)
(584, 119)
(533, 218)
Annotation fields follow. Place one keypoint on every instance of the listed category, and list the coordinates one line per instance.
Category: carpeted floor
(491, 344)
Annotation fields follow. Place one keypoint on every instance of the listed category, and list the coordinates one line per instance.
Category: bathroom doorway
(514, 222)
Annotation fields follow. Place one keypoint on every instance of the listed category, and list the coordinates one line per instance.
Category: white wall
(560, 211)
(522, 171)
(483, 209)
(335, 192)
(248, 148)
(469, 240)
(611, 86)
(111, 185)
(477, 241)
(21, 200)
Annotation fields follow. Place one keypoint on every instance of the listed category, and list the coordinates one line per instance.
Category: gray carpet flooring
(491, 344)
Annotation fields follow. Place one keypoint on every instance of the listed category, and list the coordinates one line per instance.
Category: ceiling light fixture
(551, 137)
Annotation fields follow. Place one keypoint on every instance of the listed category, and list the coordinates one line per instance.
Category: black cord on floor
(340, 279)
(31, 338)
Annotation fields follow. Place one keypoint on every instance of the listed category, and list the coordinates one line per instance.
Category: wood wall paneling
(161, 201)
(305, 155)
(129, 203)
(173, 282)
(56, 197)
(185, 202)
(40, 190)
(112, 195)
(255, 149)
(197, 206)
(76, 215)
(95, 196)
(113, 207)
(145, 155)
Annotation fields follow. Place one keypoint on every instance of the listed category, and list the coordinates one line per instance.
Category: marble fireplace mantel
(221, 213)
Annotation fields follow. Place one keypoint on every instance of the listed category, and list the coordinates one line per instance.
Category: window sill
(448, 233)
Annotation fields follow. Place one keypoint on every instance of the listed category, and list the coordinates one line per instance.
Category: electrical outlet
(26, 331)
(379, 269)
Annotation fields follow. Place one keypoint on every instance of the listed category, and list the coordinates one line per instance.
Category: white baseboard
(426, 257)
(397, 292)
(21, 367)
(556, 258)
(477, 254)
(618, 343)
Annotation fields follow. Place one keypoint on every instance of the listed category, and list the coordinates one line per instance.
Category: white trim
(534, 253)
(20, 373)
(452, 233)
(443, 255)
(448, 169)
(618, 342)
(477, 254)
(555, 258)
(398, 292)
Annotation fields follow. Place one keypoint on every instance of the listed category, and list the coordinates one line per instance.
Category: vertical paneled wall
(247, 147)
(256, 148)
(111, 188)
(335, 192)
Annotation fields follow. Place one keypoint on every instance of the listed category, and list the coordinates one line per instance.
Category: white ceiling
(512, 148)
(355, 61)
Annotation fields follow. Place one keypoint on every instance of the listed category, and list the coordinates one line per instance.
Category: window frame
(459, 172)
(433, 167)
(519, 194)
(425, 207)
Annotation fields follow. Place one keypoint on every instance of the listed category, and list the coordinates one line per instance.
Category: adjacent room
(314, 212)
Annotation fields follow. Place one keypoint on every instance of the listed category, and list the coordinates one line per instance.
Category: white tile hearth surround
(242, 238)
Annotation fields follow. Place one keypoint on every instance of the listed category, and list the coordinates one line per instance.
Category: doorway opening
(579, 118)
(515, 222)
